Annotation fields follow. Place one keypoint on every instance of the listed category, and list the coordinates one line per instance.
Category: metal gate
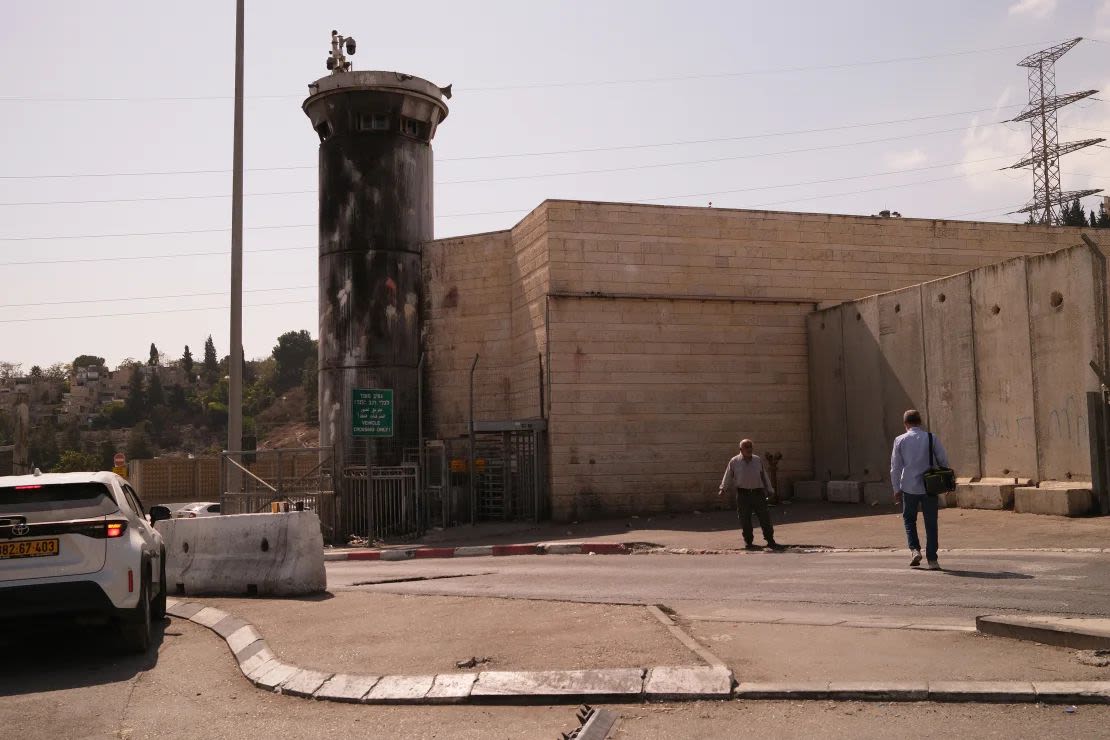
(508, 480)
(380, 502)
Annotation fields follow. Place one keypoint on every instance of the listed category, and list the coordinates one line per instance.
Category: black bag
(938, 480)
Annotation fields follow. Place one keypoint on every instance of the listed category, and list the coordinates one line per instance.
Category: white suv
(79, 545)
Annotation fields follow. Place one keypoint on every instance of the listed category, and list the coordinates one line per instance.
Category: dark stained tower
(375, 172)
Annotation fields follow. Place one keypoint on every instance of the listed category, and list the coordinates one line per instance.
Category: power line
(543, 85)
(150, 297)
(586, 150)
(543, 175)
(146, 313)
(296, 226)
(178, 255)
(62, 237)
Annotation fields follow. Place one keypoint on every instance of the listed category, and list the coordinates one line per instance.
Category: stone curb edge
(418, 553)
(660, 683)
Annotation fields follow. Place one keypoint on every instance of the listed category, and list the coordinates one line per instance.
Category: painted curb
(660, 683)
(471, 551)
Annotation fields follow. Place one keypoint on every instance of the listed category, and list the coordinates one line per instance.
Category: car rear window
(58, 501)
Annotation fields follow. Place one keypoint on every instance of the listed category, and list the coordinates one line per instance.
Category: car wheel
(158, 610)
(135, 632)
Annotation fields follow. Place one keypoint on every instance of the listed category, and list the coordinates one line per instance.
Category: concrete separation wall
(1068, 327)
(996, 360)
(868, 453)
(950, 382)
(826, 389)
(1004, 371)
(278, 554)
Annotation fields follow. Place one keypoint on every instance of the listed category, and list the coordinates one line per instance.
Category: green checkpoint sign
(372, 412)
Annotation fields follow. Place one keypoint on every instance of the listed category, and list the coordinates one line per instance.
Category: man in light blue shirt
(909, 461)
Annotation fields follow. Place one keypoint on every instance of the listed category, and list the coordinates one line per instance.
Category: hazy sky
(118, 86)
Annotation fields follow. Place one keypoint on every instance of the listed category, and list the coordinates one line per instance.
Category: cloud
(907, 159)
(1102, 21)
(1033, 8)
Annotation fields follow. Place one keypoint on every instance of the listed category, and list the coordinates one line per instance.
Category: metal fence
(301, 479)
(381, 502)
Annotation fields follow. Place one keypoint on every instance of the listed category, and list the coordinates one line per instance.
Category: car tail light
(27, 488)
(99, 530)
(130, 581)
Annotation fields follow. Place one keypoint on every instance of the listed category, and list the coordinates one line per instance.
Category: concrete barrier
(845, 491)
(275, 554)
(1063, 499)
(878, 494)
(902, 371)
(987, 493)
(809, 490)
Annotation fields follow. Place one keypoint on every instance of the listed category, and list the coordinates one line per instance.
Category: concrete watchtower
(375, 172)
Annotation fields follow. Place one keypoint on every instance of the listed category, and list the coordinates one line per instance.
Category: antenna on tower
(337, 60)
(1046, 149)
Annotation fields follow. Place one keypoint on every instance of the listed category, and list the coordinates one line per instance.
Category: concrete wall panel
(1066, 321)
(950, 370)
(902, 370)
(868, 455)
(826, 393)
(1007, 430)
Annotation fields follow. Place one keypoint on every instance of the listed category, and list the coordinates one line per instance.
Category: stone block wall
(649, 399)
(655, 386)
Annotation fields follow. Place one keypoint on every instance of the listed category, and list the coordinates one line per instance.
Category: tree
(87, 361)
(75, 461)
(36, 372)
(153, 361)
(187, 362)
(310, 381)
(139, 446)
(290, 353)
(1094, 220)
(1103, 216)
(105, 454)
(155, 396)
(58, 372)
(136, 398)
(1073, 215)
(44, 444)
(9, 370)
(211, 362)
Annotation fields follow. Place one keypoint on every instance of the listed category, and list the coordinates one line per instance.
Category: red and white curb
(660, 683)
(474, 551)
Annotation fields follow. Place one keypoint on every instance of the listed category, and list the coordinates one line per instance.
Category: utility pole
(235, 364)
(1046, 148)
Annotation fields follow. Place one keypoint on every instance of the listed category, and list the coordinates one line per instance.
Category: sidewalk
(372, 647)
(812, 524)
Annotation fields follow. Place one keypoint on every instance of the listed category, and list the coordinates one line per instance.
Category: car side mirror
(158, 513)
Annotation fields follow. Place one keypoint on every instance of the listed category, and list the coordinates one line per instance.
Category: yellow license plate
(29, 548)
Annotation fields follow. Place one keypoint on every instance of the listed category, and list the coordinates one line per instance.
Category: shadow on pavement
(66, 656)
(993, 575)
(721, 520)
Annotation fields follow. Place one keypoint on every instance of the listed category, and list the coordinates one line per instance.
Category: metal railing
(380, 502)
(300, 479)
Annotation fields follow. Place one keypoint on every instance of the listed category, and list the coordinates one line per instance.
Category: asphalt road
(973, 582)
(75, 684)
